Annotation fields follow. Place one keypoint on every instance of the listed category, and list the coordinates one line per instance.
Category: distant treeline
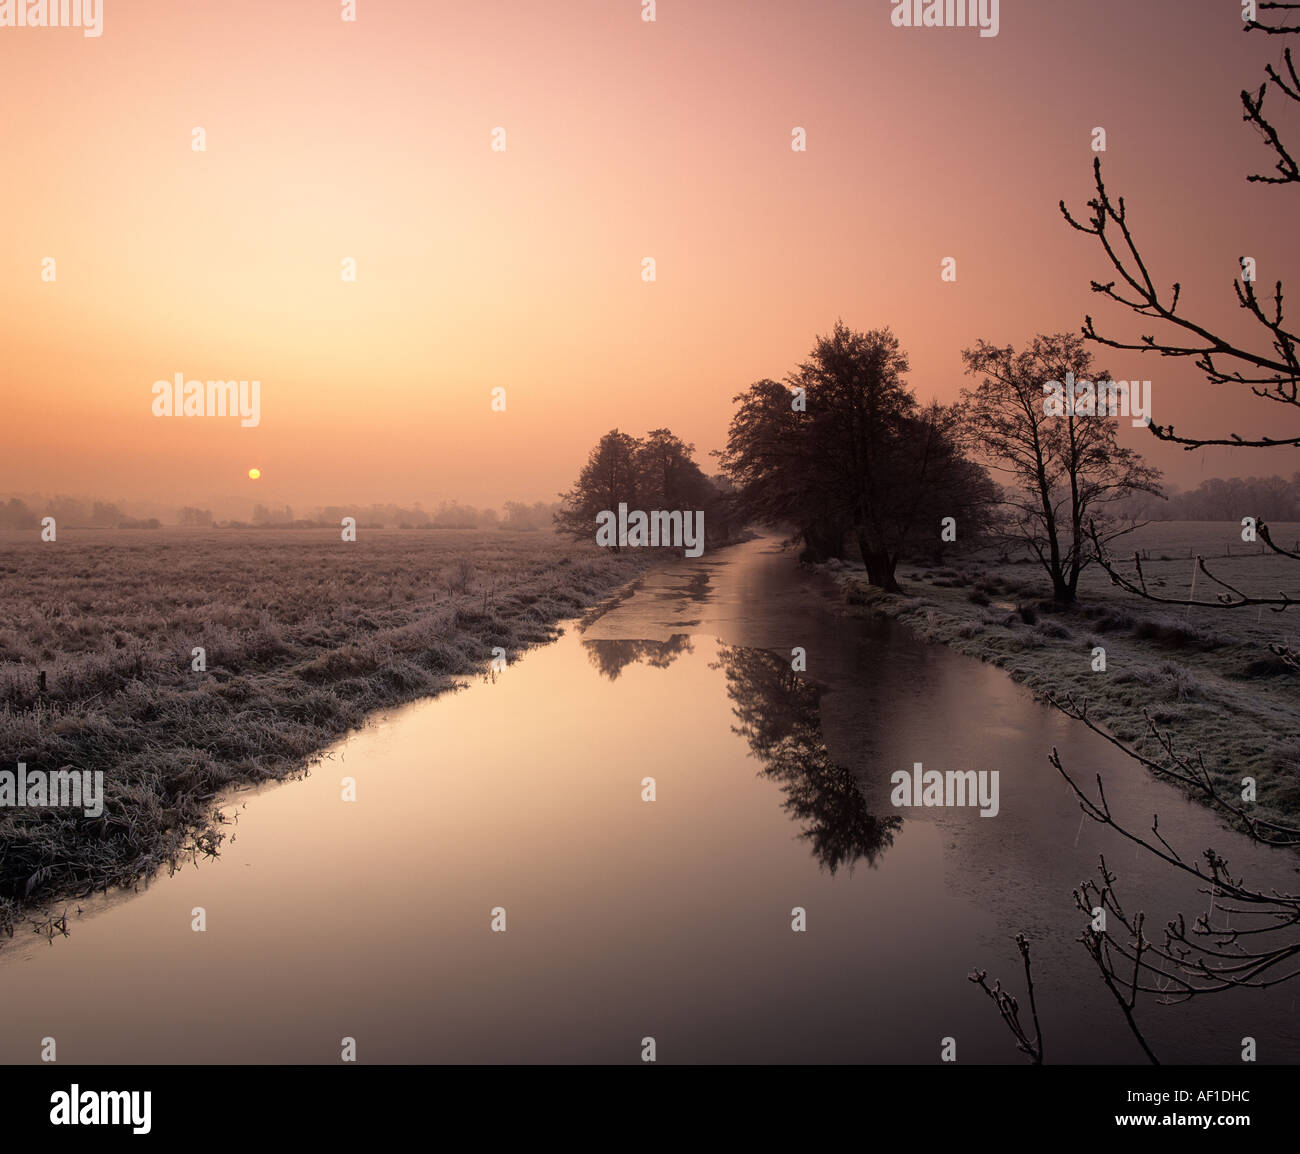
(15, 514)
(1224, 499)
(70, 512)
(514, 515)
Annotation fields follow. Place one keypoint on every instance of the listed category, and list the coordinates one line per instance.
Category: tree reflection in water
(610, 657)
(780, 717)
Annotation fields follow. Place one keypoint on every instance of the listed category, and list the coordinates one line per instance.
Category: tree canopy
(842, 449)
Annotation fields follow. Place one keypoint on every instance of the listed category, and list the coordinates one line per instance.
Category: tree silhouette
(611, 475)
(1064, 469)
(843, 449)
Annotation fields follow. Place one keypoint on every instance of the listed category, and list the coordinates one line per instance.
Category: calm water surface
(672, 919)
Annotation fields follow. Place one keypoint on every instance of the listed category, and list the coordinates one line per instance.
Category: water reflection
(612, 657)
(780, 716)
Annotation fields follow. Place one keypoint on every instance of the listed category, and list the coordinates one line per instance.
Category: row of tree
(843, 452)
(16, 514)
(515, 515)
(1226, 499)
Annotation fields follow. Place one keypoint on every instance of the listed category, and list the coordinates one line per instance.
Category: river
(669, 919)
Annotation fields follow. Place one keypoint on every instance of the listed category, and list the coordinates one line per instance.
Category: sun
(253, 474)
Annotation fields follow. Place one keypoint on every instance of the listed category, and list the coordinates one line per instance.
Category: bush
(1109, 620)
(1180, 684)
(1264, 667)
(460, 576)
(1054, 630)
(1175, 635)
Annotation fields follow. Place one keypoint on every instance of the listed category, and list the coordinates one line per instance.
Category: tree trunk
(880, 568)
(821, 543)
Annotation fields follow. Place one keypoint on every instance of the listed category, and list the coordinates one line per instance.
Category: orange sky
(522, 269)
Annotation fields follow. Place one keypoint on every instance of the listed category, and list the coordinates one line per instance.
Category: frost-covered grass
(304, 635)
(1205, 675)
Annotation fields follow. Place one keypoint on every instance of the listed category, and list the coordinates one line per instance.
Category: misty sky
(522, 269)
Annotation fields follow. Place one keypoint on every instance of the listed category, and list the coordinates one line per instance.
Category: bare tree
(1064, 469)
(1248, 937)
(1212, 955)
(1268, 365)
(1009, 1007)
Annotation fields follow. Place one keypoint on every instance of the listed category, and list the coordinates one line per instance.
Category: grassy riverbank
(303, 636)
(1206, 676)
